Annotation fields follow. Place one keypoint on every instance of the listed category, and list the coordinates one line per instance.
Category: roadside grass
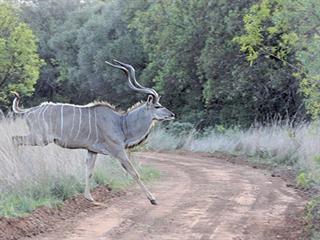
(278, 144)
(116, 178)
(31, 177)
(312, 217)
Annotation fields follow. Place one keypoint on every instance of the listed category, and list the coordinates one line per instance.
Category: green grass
(29, 197)
(315, 235)
(65, 188)
(312, 218)
(148, 173)
(115, 182)
(304, 180)
(15, 205)
(52, 192)
(123, 180)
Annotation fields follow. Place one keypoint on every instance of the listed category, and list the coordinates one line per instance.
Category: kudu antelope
(96, 127)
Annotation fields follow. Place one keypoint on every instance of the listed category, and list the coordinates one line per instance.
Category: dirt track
(199, 197)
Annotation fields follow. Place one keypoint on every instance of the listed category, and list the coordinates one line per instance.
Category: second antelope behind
(96, 127)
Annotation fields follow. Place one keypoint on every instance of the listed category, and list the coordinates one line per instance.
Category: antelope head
(152, 106)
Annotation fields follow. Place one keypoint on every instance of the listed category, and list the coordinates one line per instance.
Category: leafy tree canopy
(289, 31)
(198, 67)
(19, 61)
(213, 61)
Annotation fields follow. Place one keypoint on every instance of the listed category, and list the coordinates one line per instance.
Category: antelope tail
(15, 104)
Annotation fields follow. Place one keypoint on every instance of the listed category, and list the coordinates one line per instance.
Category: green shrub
(303, 180)
(160, 139)
(65, 188)
(312, 216)
(21, 204)
(179, 128)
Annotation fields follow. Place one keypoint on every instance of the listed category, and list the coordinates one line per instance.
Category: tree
(197, 66)
(186, 50)
(19, 61)
(173, 34)
(45, 17)
(80, 45)
(234, 91)
(288, 31)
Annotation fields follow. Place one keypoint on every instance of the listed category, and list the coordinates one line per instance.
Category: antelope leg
(127, 165)
(90, 162)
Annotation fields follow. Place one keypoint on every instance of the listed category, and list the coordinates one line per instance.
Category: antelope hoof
(89, 198)
(153, 202)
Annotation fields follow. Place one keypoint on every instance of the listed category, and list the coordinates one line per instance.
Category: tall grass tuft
(276, 144)
(32, 176)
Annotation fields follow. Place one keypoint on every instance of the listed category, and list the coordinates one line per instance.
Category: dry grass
(33, 164)
(276, 144)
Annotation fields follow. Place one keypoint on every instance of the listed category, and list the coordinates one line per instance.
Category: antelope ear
(150, 100)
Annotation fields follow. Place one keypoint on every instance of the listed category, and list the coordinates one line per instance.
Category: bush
(303, 180)
(160, 139)
(63, 190)
(179, 128)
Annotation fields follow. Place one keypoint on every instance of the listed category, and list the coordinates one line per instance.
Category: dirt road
(199, 197)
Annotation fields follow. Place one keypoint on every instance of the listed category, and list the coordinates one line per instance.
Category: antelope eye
(158, 107)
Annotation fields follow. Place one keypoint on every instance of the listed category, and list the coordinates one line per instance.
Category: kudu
(96, 127)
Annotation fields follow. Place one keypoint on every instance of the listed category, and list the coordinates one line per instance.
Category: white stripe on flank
(61, 122)
(45, 122)
(96, 126)
(89, 124)
(79, 124)
(73, 116)
(38, 125)
(39, 116)
(31, 112)
(50, 120)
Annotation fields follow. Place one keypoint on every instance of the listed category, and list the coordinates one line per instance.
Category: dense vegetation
(215, 62)
(19, 61)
